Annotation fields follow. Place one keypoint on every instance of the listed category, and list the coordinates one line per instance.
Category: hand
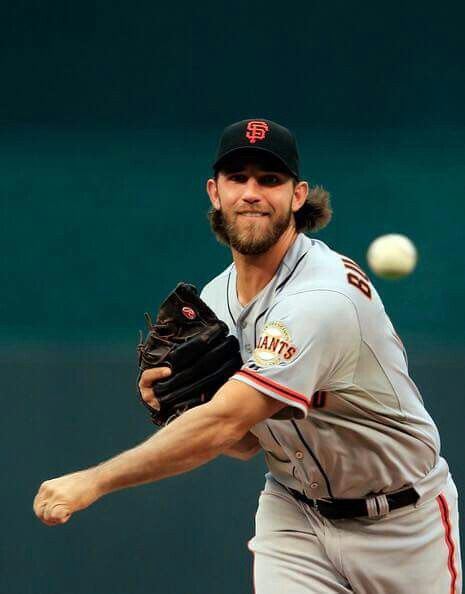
(146, 382)
(57, 499)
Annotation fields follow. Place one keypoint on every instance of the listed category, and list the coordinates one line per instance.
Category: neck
(255, 272)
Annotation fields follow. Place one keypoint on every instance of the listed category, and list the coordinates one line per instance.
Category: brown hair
(316, 212)
(313, 215)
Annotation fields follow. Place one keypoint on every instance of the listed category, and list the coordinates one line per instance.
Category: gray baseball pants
(412, 549)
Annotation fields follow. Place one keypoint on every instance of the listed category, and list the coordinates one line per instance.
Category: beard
(249, 238)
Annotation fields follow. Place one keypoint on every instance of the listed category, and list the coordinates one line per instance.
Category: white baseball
(392, 256)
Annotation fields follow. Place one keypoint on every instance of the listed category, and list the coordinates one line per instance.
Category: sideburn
(217, 224)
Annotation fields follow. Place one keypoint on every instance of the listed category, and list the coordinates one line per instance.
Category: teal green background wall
(109, 118)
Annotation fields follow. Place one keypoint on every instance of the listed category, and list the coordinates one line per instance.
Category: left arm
(196, 437)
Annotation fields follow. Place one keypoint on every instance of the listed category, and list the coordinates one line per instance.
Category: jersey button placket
(241, 324)
(300, 466)
(300, 458)
(245, 338)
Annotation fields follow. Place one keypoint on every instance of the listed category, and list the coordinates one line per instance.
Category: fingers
(47, 509)
(152, 375)
(59, 498)
(56, 514)
(147, 379)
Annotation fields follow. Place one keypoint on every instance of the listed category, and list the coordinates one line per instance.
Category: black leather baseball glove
(194, 343)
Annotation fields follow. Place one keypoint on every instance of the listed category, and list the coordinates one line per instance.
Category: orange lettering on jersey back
(357, 277)
(360, 284)
(355, 267)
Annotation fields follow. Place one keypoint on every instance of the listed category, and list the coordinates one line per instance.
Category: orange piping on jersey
(444, 509)
(274, 386)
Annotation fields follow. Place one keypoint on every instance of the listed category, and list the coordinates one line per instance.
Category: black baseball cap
(259, 135)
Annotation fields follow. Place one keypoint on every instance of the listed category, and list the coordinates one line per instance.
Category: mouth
(252, 214)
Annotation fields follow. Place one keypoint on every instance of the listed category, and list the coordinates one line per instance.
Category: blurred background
(110, 113)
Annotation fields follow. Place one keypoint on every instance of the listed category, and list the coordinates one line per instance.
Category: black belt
(373, 506)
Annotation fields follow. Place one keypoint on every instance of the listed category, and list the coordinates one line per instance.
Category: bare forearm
(198, 436)
(192, 440)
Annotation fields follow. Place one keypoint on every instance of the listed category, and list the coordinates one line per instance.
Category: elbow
(229, 429)
(240, 453)
(248, 454)
(231, 434)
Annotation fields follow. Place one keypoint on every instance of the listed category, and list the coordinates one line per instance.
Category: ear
(300, 195)
(212, 191)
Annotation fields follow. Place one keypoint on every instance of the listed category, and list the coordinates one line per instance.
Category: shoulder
(313, 265)
(332, 278)
(316, 308)
(317, 327)
(216, 288)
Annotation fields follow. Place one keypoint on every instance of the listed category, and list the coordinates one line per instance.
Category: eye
(238, 178)
(270, 179)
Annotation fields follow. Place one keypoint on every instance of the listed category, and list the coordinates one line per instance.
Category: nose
(251, 191)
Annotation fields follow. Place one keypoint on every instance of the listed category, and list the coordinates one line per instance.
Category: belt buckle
(315, 505)
(377, 506)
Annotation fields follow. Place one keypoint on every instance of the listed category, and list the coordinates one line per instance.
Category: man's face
(255, 204)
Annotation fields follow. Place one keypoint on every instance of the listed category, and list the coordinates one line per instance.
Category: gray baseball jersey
(317, 338)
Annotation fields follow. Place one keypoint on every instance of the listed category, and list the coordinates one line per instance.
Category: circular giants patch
(274, 346)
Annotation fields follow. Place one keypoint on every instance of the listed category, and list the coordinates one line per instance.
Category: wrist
(99, 479)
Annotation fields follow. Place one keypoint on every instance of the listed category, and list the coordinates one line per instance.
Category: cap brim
(251, 149)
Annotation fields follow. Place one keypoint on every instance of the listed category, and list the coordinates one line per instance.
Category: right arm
(245, 448)
(196, 437)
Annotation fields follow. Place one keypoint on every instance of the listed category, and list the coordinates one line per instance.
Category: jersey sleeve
(209, 296)
(214, 293)
(310, 341)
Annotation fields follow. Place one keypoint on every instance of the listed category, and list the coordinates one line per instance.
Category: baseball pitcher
(290, 351)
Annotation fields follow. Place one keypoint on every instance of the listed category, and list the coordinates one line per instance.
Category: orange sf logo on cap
(256, 130)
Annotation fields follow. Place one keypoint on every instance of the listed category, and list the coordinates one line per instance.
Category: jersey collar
(293, 256)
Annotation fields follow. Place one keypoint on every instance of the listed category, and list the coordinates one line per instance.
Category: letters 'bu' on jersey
(317, 338)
